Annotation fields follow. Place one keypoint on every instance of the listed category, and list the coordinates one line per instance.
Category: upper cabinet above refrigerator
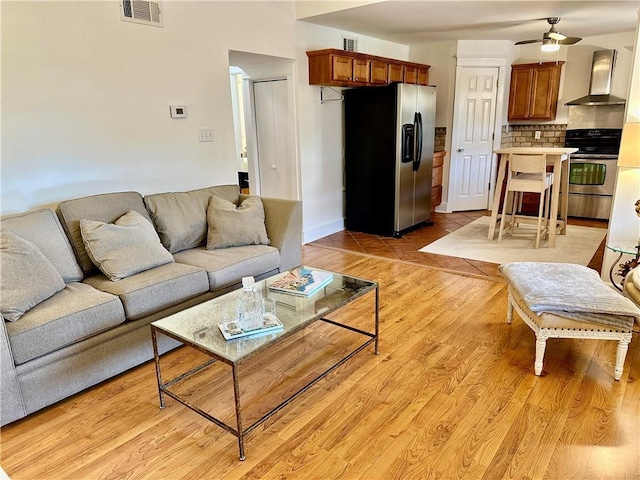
(340, 68)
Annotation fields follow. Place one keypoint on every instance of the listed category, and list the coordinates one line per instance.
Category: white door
(274, 138)
(472, 141)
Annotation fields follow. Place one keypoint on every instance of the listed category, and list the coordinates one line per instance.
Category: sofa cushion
(73, 314)
(43, 229)
(235, 226)
(153, 290)
(181, 217)
(121, 249)
(227, 266)
(106, 207)
(26, 276)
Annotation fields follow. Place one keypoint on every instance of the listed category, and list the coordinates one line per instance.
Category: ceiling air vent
(139, 11)
(349, 44)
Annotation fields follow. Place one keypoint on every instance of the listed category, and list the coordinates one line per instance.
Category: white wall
(86, 96)
(86, 101)
(321, 126)
(624, 225)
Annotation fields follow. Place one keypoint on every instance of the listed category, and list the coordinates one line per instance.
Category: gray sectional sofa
(95, 326)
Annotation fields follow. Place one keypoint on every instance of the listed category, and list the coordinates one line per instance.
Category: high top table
(558, 158)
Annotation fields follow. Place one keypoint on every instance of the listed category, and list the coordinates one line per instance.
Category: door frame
(470, 62)
(255, 181)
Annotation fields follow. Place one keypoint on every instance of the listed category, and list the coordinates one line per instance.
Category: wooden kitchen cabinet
(534, 89)
(379, 72)
(396, 73)
(338, 69)
(436, 178)
(416, 75)
(332, 67)
(361, 70)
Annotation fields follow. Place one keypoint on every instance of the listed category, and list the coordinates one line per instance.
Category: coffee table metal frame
(240, 431)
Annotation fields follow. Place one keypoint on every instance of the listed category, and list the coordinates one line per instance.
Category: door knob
(460, 150)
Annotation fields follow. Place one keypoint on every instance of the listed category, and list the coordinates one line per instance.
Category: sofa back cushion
(181, 217)
(106, 207)
(43, 229)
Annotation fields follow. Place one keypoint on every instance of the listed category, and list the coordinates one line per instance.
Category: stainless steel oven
(592, 171)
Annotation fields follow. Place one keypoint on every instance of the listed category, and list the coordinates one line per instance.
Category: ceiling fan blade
(523, 42)
(569, 40)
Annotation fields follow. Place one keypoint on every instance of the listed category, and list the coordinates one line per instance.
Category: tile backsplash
(440, 139)
(525, 135)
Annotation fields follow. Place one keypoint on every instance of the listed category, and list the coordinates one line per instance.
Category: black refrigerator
(389, 134)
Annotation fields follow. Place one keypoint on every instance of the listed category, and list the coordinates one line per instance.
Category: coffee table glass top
(198, 325)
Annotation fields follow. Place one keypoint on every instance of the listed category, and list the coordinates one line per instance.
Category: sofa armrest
(11, 403)
(283, 219)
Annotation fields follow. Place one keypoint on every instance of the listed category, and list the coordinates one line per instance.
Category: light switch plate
(205, 135)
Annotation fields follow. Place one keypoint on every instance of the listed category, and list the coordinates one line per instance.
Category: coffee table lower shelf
(240, 431)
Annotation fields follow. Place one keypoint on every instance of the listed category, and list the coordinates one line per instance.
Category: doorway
(264, 122)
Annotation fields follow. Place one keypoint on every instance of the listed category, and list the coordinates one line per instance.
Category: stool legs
(541, 345)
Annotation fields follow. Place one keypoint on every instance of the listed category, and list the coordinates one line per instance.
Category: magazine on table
(233, 329)
(302, 282)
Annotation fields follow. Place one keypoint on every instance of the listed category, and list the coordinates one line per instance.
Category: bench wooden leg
(541, 344)
(621, 353)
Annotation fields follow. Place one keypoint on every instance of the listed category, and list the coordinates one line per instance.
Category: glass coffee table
(197, 327)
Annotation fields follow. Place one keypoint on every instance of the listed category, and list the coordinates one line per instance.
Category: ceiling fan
(552, 39)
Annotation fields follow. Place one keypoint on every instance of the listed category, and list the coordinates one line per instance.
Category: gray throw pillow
(26, 277)
(235, 226)
(129, 245)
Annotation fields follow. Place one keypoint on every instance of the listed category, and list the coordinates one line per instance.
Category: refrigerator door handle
(419, 135)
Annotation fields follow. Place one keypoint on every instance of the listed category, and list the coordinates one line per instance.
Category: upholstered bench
(561, 300)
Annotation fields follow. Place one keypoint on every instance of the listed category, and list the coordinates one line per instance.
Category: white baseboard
(319, 231)
(443, 208)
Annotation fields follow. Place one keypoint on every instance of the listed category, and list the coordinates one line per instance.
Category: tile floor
(406, 248)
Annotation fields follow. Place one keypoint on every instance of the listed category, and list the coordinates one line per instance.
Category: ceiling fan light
(550, 46)
(557, 36)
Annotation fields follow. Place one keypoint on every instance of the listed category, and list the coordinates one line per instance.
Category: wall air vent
(140, 11)
(349, 44)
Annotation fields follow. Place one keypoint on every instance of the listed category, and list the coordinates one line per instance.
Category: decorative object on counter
(302, 281)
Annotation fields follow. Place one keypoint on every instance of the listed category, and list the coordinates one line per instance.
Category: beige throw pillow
(126, 247)
(26, 277)
(235, 226)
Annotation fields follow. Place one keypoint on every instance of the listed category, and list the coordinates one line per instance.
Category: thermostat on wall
(178, 111)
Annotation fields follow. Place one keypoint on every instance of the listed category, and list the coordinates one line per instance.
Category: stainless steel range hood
(600, 83)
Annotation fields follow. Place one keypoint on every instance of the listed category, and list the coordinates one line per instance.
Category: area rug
(471, 242)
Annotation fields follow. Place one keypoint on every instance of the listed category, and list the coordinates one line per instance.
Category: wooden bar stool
(527, 173)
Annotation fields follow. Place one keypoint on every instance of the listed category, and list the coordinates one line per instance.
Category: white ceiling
(422, 21)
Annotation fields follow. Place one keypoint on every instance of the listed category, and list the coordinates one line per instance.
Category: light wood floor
(451, 395)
